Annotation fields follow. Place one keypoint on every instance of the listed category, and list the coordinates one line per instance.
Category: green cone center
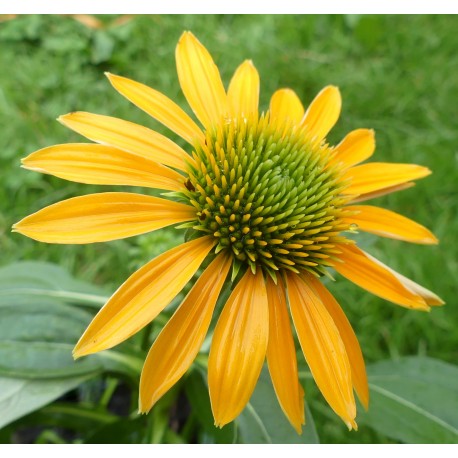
(268, 195)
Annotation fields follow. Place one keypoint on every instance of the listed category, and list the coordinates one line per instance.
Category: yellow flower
(263, 194)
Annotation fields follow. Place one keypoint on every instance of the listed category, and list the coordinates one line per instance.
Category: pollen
(269, 194)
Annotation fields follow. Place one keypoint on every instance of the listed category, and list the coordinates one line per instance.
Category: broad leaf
(42, 360)
(19, 397)
(43, 320)
(263, 421)
(414, 400)
(35, 280)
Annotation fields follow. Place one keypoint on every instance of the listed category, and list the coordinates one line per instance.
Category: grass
(397, 74)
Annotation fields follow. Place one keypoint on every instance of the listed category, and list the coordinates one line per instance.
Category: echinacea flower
(266, 201)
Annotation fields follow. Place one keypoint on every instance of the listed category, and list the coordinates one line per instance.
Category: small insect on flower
(270, 203)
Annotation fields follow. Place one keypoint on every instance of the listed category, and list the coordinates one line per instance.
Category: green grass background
(397, 74)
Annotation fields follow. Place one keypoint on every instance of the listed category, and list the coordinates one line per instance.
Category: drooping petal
(127, 136)
(238, 348)
(99, 164)
(200, 81)
(285, 104)
(428, 296)
(243, 92)
(102, 217)
(323, 113)
(355, 356)
(180, 340)
(376, 176)
(159, 107)
(381, 192)
(143, 296)
(356, 147)
(281, 356)
(359, 268)
(323, 348)
(389, 224)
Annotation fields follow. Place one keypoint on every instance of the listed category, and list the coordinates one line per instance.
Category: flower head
(267, 201)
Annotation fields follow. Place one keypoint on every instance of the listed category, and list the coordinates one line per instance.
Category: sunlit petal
(355, 356)
(159, 107)
(323, 348)
(281, 356)
(238, 348)
(323, 113)
(389, 224)
(356, 147)
(179, 342)
(376, 176)
(428, 296)
(143, 296)
(243, 92)
(200, 81)
(102, 217)
(127, 136)
(359, 268)
(285, 104)
(105, 165)
(381, 192)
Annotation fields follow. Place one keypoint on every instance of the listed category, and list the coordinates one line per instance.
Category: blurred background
(397, 75)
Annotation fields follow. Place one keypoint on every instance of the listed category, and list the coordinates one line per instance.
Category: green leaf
(77, 417)
(41, 280)
(263, 421)
(42, 360)
(44, 320)
(414, 400)
(19, 397)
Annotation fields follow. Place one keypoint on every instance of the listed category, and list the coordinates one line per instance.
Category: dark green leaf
(414, 400)
(124, 431)
(18, 397)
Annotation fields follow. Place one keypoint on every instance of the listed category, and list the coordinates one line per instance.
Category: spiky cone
(267, 201)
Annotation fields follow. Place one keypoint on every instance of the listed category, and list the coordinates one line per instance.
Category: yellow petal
(143, 296)
(281, 357)
(355, 356)
(359, 268)
(376, 176)
(389, 224)
(200, 81)
(99, 164)
(285, 104)
(382, 192)
(127, 136)
(356, 147)
(179, 342)
(159, 107)
(428, 296)
(243, 92)
(323, 113)
(238, 348)
(102, 217)
(323, 348)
